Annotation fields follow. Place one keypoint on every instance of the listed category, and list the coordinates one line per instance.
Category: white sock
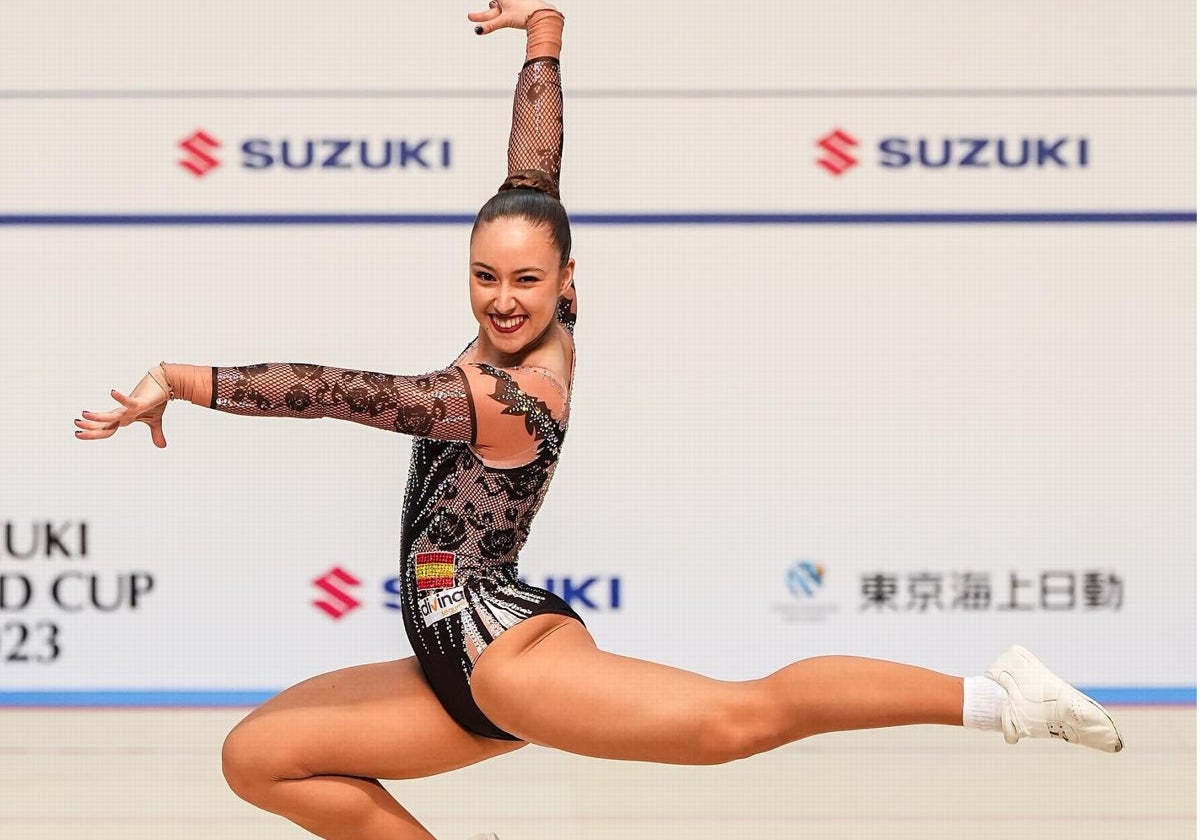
(983, 701)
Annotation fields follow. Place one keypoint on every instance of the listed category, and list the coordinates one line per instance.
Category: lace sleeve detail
(536, 139)
(434, 405)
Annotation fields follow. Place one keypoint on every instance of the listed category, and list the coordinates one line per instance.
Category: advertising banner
(903, 371)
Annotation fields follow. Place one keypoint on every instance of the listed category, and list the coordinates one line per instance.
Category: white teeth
(507, 323)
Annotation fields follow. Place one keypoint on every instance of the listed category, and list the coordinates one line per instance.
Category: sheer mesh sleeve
(436, 405)
(536, 139)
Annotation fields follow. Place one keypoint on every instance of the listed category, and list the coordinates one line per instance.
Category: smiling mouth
(507, 323)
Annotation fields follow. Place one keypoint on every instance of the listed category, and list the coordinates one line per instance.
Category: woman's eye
(528, 278)
(484, 276)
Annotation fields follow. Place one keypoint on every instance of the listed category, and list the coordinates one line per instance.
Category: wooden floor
(154, 775)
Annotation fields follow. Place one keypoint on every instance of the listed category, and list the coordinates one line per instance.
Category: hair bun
(531, 179)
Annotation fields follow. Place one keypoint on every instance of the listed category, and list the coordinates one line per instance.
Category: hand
(506, 14)
(145, 404)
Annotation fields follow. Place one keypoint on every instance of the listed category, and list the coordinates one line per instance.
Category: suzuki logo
(835, 144)
(199, 162)
(334, 583)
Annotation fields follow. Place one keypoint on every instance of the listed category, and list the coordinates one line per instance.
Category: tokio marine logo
(805, 578)
(334, 584)
(837, 159)
(198, 145)
(811, 601)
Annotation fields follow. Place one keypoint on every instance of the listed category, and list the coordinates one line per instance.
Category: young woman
(497, 663)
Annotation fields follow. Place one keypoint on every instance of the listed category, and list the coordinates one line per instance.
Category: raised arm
(535, 141)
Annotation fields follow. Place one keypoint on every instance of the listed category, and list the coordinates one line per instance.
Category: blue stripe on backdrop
(183, 698)
(938, 218)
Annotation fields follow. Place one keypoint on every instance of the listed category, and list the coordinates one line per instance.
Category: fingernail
(78, 433)
(478, 30)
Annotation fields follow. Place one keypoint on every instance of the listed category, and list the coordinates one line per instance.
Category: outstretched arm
(437, 404)
(507, 416)
(536, 139)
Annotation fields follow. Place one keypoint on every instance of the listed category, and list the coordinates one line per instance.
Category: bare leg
(313, 753)
(547, 682)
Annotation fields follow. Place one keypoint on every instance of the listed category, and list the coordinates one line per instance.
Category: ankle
(983, 704)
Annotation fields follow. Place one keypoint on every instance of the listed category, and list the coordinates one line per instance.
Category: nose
(506, 302)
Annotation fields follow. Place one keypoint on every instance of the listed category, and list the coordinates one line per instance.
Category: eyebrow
(517, 271)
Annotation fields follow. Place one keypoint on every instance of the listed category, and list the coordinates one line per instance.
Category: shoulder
(520, 413)
(516, 390)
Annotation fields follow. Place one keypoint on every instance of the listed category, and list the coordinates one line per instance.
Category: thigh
(379, 721)
(545, 681)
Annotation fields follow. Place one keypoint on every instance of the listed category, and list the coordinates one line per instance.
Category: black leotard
(467, 510)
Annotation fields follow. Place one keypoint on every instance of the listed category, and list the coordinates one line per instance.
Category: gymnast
(497, 663)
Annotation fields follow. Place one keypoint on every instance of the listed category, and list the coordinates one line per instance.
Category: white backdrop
(804, 433)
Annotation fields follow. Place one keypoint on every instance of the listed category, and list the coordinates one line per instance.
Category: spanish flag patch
(435, 569)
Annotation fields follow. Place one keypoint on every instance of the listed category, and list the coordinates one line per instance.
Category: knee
(745, 724)
(246, 764)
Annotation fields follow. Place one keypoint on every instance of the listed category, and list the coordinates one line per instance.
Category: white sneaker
(1041, 705)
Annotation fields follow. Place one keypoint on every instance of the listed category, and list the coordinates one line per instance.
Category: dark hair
(530, 194)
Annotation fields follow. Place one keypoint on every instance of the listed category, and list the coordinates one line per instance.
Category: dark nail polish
(78, 433)
(478, 30)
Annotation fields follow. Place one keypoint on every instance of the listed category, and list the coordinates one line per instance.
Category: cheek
(546, 304)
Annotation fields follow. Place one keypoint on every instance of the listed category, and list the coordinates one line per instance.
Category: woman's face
(516, 280)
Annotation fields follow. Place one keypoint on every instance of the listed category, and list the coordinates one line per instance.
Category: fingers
(488, 19)
(99, 425)
(490, 13)
(137, 407)
(90, 428)
(95, 420)
(156, 434)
